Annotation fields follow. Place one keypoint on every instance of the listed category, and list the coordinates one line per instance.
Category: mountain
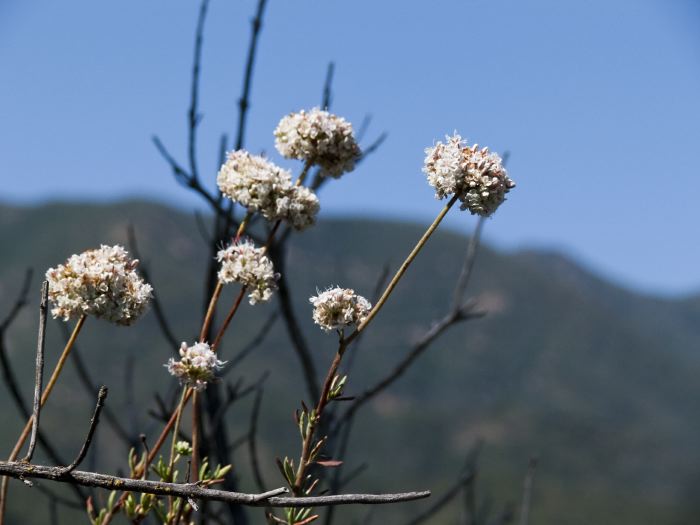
(599, 382)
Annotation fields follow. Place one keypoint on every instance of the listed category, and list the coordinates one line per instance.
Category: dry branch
(193, 490)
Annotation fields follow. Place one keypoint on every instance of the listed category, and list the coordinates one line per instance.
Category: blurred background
(587, 357)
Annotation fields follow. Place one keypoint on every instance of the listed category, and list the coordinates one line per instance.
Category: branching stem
(44, 397)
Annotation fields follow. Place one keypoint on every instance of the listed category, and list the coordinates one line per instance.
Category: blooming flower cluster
(299, 207)
(337, 308)
(261, 186)
(320, 138)
(243, 263)
(254, 182)
(102, 283)
(197, 365)
(475, 175)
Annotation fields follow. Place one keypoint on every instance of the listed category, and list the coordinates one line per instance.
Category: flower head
(102, 283)
(337, 308)
(475, 175)
(319, 138)
(299, 206)
(197, 365)
(254, 182)
(183, 448)
(243, 263)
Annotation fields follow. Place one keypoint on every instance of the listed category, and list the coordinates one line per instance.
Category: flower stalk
(402, 270)
(310, 446)
(308, 442)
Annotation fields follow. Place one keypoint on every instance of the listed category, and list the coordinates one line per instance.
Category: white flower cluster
(261, 186)
(254, 182)
(197, 365)
(243, 263)
(475, 175)
(299, 207)
(102, 283)
(183, 448)
(320, 138)
(337, 308)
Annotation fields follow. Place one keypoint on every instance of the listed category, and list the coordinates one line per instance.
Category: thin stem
(243, 102)
(176, 429)
(243, 225)
(402, 270)
(304, 173)
(39, 372)
(468, 266)
(308, 442)
(209, 317)
(271, 235)
(194, 466)
(304, 461)
(193, 114)
(101, 396)
(228, 319)
(141, 471)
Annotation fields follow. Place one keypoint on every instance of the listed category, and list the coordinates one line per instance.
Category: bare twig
(234, 395)
(440, 503)
(39, 369)
(195, 491)
(90, 387)
(79, 504)
(163, 323)
(193, 115)
(527, 492)
(223, 146)
(374, 146)
(253, 344)
(431, 335)
(223, 224)
(319, 180)
(293, 329)
(506, 516)
(270, 493)
(363, 127)
(328, 87)
(459, 311)
(202, 228)
(19, 303)
(353, 474)
(184, 178)
(101, 396)
(468, 266)
(132, 414)
(244, 101)
(252, 444)
(10, 380)
(465, 480)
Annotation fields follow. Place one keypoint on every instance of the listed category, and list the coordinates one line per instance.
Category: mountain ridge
(597, 380)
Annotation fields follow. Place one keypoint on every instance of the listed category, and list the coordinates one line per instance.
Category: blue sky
(596, 100)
